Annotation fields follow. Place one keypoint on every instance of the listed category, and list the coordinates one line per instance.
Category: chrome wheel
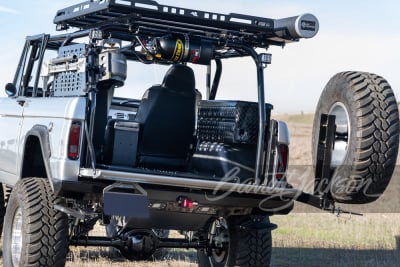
(16, 238)
(342, 133)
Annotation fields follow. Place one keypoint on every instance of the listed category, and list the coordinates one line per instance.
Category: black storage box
(231, 122)
(121, 143)
(227, 135)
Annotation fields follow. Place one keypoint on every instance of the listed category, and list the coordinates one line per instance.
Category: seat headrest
(179, 78)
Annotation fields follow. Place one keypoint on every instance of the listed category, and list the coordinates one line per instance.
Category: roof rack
(131, 16)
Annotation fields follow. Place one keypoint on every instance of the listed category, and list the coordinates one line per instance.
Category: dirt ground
(300, 144)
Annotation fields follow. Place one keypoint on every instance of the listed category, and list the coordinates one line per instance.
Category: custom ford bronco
(75, 153)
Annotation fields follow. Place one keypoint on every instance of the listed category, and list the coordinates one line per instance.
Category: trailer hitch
(323, 203)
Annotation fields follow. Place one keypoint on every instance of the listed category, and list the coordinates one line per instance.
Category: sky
(354, 35)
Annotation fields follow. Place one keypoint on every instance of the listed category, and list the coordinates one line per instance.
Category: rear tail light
(283, 156)
(74, 140)
(186, 202)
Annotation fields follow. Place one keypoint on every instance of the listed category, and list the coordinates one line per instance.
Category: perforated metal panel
(73, 82)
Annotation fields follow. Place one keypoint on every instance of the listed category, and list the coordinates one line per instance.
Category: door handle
(21, 102)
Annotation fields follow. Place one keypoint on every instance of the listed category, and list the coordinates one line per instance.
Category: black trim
(42, 133)
(66, 188)
(217, 79)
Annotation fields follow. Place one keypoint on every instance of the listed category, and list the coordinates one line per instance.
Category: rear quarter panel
(57, 114)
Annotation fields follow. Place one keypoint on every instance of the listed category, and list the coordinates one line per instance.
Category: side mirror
(11, 90)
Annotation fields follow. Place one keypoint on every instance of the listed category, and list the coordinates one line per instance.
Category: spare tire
(367, 135)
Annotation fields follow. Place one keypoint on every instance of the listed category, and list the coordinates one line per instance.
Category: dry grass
(304, 119)
(326, 240)
(98, 258)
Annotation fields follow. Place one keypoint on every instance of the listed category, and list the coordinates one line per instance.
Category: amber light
(74, 139)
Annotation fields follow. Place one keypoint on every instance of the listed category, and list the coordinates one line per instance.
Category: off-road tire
(43, 229)
(373, 139)
(247, 247)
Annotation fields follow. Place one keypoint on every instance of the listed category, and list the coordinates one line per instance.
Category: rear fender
(40, 133)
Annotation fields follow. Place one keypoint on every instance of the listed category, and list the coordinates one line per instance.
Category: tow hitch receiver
(324, 204)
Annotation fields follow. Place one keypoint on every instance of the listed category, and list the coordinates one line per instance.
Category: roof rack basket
(149, 17)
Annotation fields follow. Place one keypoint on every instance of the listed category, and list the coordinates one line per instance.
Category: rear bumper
(218, 196)
(225, 185)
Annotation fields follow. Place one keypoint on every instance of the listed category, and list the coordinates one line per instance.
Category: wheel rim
(16, 238)
(219, 255)
(219, 229)
(342, 133)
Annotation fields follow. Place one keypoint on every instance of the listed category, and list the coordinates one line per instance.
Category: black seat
(167, 121)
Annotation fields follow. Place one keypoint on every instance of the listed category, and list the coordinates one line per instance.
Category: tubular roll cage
(232, 35)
